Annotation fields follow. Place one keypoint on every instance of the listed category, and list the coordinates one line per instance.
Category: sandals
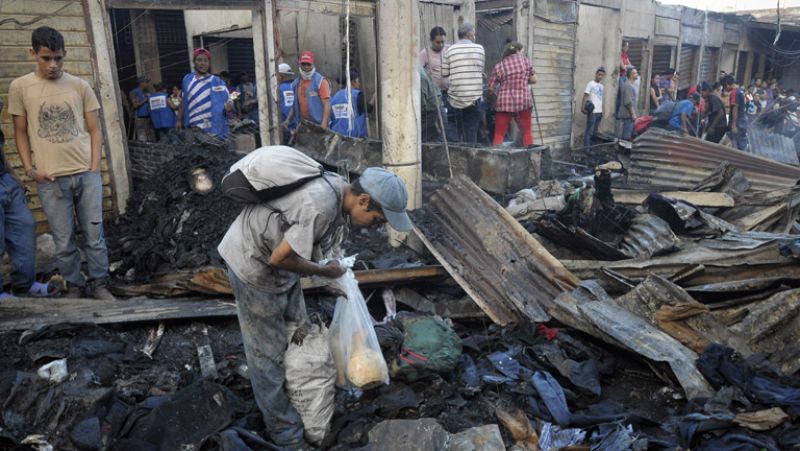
(42, 290)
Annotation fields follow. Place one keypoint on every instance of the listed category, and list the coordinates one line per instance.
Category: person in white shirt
(593, 95)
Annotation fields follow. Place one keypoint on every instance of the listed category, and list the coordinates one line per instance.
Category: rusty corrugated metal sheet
(664, 160)
(773, 146)
(648, 236)
(491, 256)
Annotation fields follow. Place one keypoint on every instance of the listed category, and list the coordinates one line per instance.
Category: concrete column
(398, 28)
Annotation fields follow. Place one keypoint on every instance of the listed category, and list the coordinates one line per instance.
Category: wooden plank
(753, 220)
(214, 281)
(17, 38)
(700, 199)
(41, 6)
(328, 7)
(25, 313)
(182, 4)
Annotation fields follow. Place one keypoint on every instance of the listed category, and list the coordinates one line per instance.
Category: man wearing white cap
(271, 244)
(286, 97)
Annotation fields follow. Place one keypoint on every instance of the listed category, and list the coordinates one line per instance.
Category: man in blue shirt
(162, 114)
(682, 112)
(139, 102)
(205, 99)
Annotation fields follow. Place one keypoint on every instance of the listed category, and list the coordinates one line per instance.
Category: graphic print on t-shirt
(57, 123)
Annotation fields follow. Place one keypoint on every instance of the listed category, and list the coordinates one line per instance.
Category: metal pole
(536, 113)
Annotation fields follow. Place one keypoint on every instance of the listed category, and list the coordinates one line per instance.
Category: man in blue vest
(312, 94)
(350, 121)
(139, 101)
(248, 98)
(163, 115)
(286, 98)
(205, 99)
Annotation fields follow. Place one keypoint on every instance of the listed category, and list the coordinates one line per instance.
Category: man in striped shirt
(463, 62)
(205, 99)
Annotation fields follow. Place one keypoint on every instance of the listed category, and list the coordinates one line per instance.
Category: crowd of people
(708, 111)
(459, 100)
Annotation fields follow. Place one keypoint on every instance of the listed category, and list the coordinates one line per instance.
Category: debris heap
(170, 223)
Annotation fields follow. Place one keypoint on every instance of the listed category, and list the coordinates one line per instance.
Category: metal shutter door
(687, 66)
(708, 69)
(662, 59)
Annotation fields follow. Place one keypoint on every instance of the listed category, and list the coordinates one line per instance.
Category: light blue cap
(389, 191)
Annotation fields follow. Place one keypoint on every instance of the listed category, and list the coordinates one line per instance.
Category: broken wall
(71, 19)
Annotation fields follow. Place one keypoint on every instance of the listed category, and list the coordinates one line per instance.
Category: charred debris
(650, 302)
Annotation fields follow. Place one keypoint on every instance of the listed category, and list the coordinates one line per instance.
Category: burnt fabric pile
(171, 223)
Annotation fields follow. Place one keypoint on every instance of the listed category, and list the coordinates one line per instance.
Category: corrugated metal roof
(773, 146)
(491, 256)
(665, 160)
(493, 21)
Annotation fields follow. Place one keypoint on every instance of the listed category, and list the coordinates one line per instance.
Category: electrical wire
(35, 19)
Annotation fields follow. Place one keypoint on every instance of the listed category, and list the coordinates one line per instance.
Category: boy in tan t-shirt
(59, 140)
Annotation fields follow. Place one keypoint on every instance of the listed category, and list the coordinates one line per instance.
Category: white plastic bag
(310, 376)
(355, 348)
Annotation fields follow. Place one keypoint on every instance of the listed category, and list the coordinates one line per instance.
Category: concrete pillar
(398, 28)
(107, 85)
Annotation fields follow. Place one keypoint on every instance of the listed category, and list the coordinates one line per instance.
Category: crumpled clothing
(763, 420)
(720, 366)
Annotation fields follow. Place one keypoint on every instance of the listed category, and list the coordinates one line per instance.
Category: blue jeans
(80, 194)
(627, 129)
(740, 138)
(262, 320)
(592, 122)
(467, 121)
(448, 117)
(17, 234)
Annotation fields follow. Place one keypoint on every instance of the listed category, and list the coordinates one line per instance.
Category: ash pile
(176, 218)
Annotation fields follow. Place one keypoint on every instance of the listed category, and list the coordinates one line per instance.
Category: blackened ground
(106, 364)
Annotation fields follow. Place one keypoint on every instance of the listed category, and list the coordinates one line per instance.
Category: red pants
(501, 121)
